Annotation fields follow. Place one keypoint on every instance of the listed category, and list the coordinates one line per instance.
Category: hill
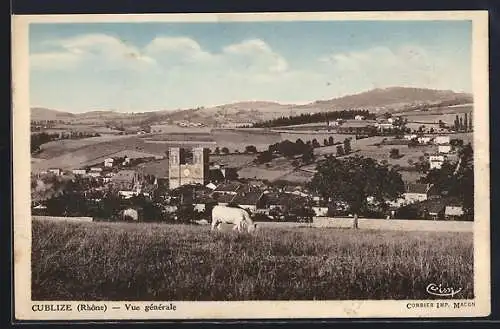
(380, 100)
(393, 98)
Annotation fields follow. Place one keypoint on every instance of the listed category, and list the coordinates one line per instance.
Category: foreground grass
(116, 261)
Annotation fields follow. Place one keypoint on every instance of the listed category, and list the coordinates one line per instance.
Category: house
(390, 120)
(282, 200)
(444, 148)
(125, 179)
(359, 117)
(55, 171)
(382, 126)
(436, 161)
(127, 194)
(453, 212)
(211, 186)
(228, 188)
(126, 161)
(94, 174)
(442, 140)
(96, 169)
(79, 171)
(249, 200)
(320, 211)
(424, 140)
(108, 162)
(416, 192)
(409, 137)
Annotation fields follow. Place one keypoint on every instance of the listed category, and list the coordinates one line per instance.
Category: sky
(138, 67)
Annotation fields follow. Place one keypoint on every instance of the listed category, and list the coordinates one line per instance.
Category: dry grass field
(129, 261)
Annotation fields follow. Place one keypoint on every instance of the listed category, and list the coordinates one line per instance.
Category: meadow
(137, 261)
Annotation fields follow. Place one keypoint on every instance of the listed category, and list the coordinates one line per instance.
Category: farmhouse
(320, 211)
(436, 161)
(96, 169)
(444, 148)
(359, 117)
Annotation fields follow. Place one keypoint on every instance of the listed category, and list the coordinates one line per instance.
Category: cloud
(96, 49)
(407, 65)
(177, 71)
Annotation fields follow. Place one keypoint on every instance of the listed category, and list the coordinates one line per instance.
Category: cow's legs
(215, 224)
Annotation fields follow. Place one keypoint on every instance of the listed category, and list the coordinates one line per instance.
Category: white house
(444, 148)
(424, 140)
(127, 194)
(55, 171)
(359, 117)
(94, 174)
(211, 186)
(453, 211)
(442, 140)
(96, 169)
(390, 120)
(410, 137)
(416, 193)
(108, 162)
(79, 171)
(436, 161)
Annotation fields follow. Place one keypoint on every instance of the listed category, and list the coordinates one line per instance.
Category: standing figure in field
(237, 216)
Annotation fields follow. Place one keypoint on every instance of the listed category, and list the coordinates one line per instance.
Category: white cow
(229, 215)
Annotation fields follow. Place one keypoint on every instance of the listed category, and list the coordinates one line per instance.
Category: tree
(299, 141)
(394, 153)
(347, 145)
(340, 150)
(330, 140)
(325, 142)
(315, 143)
(456, 123)
(264, 157)
(466, 124)
(356, 178)
(217, 150)
(470, 122)
(250, 149)
(308, 155)
(461, 124)
(225, 150)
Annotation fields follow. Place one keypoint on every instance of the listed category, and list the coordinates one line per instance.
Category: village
(194, 183)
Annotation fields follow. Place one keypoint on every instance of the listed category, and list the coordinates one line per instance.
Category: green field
(119, 261)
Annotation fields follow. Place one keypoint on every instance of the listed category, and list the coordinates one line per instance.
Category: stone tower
(187, 166)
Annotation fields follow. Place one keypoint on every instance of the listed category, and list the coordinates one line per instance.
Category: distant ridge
(380, 99)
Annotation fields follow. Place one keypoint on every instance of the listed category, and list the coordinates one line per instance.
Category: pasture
(137, 261)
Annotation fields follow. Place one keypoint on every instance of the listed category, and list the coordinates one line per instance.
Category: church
(188, 166)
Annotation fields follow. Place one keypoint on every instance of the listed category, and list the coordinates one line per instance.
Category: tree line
(38, 139)
(463, 123)
(313, 118)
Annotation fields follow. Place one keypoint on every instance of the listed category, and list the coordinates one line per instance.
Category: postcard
(251, 166)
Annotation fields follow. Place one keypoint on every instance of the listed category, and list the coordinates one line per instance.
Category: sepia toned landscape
(346, 173)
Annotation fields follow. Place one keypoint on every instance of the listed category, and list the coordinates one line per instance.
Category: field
(119, 261)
